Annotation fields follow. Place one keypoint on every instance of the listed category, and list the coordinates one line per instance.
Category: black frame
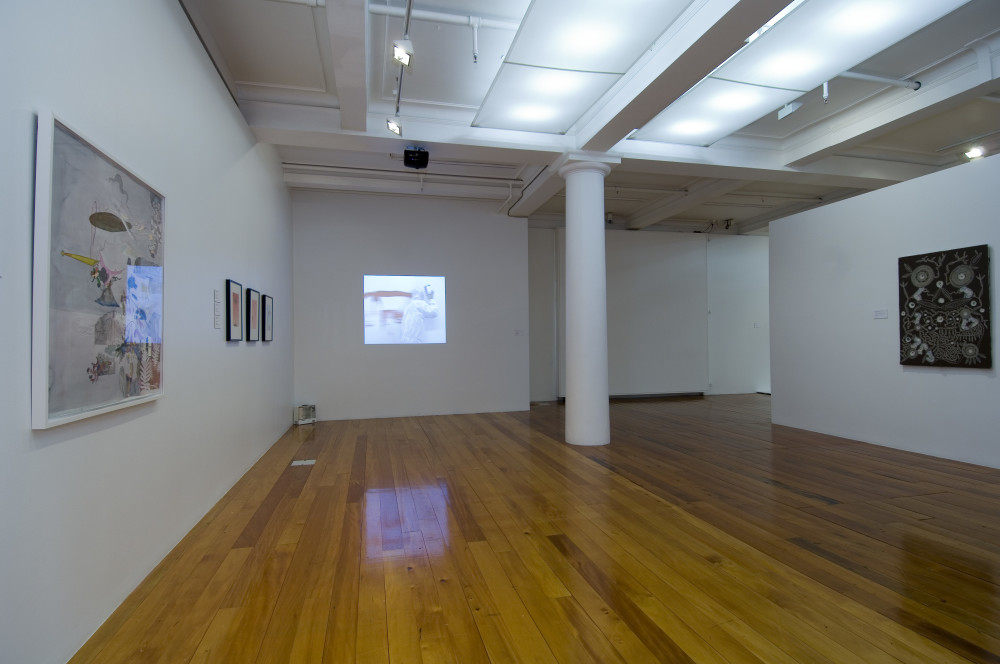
(231, 316)
(252, 333)
(266, 313)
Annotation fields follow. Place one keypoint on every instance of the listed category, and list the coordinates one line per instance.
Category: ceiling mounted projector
(416, 157)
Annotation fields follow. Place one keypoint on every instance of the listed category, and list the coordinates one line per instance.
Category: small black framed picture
(234, 311)
(267, 314)
(253, 315)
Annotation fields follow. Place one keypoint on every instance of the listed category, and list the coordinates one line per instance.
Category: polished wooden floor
(701, 534)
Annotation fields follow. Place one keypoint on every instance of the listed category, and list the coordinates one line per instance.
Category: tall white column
(587, 409)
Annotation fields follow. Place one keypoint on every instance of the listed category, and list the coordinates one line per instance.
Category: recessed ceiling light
(796, 52)
(692, 127)
(735, 100)
(863, 17)
(587, 38)
(533, 112)
(552, 82)
(782, 68)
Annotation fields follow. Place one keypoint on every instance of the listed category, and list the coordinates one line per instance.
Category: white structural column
(587, 409)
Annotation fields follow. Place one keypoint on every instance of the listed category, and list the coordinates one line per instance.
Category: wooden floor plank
(703, 534)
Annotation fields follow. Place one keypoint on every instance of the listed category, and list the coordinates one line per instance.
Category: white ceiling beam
(317, 127)
(415, 185)
(537, 193)
(694, 46)
(734, 163)
(967, 77)
(347, 21)
(762, 220)
(549, 182)
(670, 206)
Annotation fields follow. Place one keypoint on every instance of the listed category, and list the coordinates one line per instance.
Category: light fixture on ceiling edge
(975, 152)
(402, 50)
(393, 125)
(788, 109)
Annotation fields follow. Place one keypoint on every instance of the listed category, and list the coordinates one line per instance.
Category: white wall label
(881, 313)
(218, 309)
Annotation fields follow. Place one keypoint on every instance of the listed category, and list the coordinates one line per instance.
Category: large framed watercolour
(944, 309)
(253, 315)
(267, 309)
(234, 310)
(97, 287)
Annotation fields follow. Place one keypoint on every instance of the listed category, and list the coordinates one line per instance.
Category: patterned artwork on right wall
(944, 309)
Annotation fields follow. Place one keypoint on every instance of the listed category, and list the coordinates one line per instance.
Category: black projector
(416, 158)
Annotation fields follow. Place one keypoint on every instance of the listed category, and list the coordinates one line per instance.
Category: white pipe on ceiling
(898, 82)
(307, 3)
(436, 17)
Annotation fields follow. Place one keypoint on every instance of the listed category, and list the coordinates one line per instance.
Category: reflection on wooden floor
(702, 534)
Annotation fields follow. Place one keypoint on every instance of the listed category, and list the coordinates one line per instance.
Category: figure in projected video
(421, 306)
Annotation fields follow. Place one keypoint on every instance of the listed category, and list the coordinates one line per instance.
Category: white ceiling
(314, 78)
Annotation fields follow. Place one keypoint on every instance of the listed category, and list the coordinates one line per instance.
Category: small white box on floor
(305, 414)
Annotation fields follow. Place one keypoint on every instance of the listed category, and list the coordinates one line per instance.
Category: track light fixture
(975, 152)
(788, 109)
(402, 51)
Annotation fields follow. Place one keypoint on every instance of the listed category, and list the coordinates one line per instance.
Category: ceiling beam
(347, 21)
(414, 185)
(692, 49)
(698, 193)
(970, 75)
(549, 182)
(762, 220)
(317, 127)
(733, 163)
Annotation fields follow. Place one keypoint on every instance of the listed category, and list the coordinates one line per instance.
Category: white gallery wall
(483, 255)
(543, 325)
(835, 366)
(89, 508)
(657, 312)
(739, 350)
(661, 337)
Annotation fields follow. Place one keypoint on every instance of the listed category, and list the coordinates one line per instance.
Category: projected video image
(404, 309)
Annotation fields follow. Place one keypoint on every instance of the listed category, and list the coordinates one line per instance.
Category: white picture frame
(97, 283)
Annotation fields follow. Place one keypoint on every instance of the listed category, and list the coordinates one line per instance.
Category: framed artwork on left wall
(253, 315)
(267, 309)
(97, 283)
(234, 310)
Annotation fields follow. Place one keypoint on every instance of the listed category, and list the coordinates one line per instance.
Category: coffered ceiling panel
(315, 78)
(245, 31)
